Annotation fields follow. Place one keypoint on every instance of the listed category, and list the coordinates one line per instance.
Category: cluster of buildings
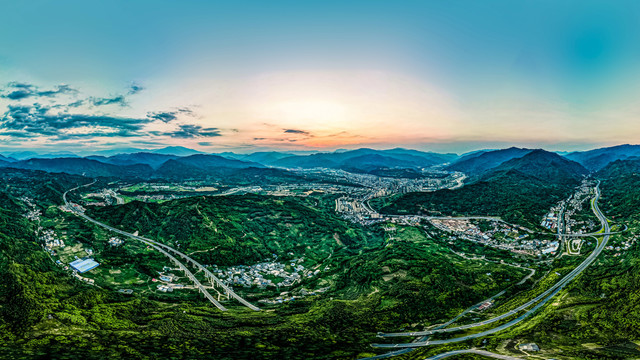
(167, 280)
(114, 241)
(33, 213)
(499, 235)
(155, 197)
(485, 305)
(550, 221)
(354, 205)
(72, 207)
(624, 245)
(533, 347)
(265, 274)
(82, 278)
(169, 287)
(51, 241)
(563, 213)
(108, 196)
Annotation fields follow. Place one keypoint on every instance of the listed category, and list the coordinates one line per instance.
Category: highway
(472, 351)
(545, 297)
(424, 338)
(166, 250)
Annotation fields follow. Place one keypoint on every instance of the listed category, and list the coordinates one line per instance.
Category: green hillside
(242, 229)
(519, 191)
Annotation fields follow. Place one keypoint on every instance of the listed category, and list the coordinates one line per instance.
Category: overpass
(166, 250)
(545, 297)
(472, 351)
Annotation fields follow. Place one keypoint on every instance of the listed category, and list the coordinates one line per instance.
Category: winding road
(472, 351)
(542, 299)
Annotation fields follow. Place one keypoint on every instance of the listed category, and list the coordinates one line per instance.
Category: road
(166, 250)
(424, 338)
(472, 351)
(545, 297)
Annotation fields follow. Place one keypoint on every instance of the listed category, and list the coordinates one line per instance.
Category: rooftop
(84, 265)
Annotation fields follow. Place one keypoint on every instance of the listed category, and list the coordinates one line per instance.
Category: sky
(245, 76)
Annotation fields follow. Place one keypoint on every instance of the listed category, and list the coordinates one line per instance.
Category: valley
(326, 246)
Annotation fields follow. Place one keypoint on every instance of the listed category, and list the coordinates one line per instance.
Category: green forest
(513, 196)
(376, 282)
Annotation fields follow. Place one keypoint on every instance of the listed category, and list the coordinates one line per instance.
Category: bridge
(167, 250)
(541, 300)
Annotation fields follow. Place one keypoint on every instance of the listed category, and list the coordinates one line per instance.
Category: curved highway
(162, 247)
(472, 351)
(548, 293)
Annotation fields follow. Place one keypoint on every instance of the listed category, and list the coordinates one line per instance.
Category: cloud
(205, 143)
(168, 116)
(135, 88)
(59, 89)
(76, 104)
(30, 120)
(120, 100)
(59, 119)
(190, 131)
(18, 91)
(296, 131)
(115, 100)
(19, 85)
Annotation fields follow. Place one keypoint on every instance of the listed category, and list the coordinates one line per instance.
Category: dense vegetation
(376, 281)
(382, 277)
(478, 163)
(242, 229)
(512, 196)
(520, 191)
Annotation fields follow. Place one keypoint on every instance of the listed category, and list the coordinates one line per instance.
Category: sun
(312, 114)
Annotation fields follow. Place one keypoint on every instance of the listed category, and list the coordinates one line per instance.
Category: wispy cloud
(167, 116)
(135, 88)
(115, 100)
(296, 131)
(18, 91)
(120, 100)
(191, 131)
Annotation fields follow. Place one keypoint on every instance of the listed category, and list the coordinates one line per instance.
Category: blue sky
(440, 75)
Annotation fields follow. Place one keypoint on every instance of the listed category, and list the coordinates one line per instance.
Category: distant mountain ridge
(597, 159)
(366, 159)
(476, 164)
(152, 159)
(82, 166)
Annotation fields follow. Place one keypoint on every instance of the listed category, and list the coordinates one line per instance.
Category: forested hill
(619, 168)
(621, 189)
(45, 188)
(242, 229)
(542, 165)
(519, 191)
(477, 164)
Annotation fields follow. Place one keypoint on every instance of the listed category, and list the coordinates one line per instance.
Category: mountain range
(597, 159)
(180, 162)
